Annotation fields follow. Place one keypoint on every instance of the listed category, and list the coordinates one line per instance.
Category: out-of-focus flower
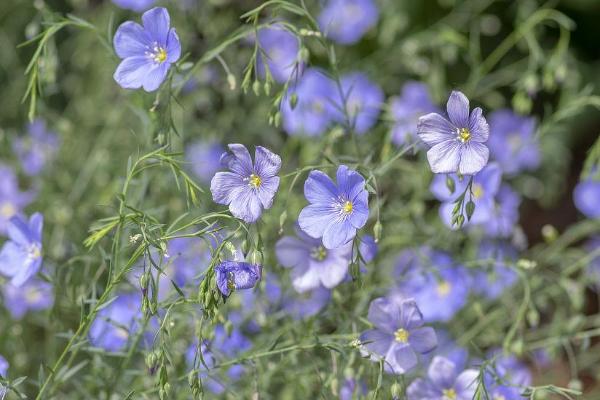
(214, 384)
(37, 148)
(586, 196)
(236, 275)
(313, 265)
(279, 48)
(406, 109)
(363, 100)
(514, 376)
(230, 344)
(335, 211)
(204, 159)
(436, 283)
(512, 142)
(456, 145)
(34, 295)
(248, 188)
(485, 186)
(368, 248)
(352, 389)
(134, 5)
(347, 21)
(21, 256)
(491, 282)
(115, 323)
(448, 349)
(308, 108)
(147, 51)
(399, 335)
(505, 214)
(12, 200)
(307, 304)
(444, 382)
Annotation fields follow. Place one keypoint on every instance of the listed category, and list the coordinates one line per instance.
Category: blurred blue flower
(335, 211)
(444, 382)
(399, 335)
(204, 158)
(448, 349)
(586, 195)
(135, 5)
(249, 187)
(513, 374)
(313, 111)
(279, 47)
(353, 389)
(456, 145)
(505, 215)
(485, 186)
(313, 265)
(436, 283)
(37, 148)
(231, 344)
(147, 51)
(512, 142)
(21, 255)
(347, 21)
(214, 384)
(363, 100)
(406, 109)
(307, 304)
(3, 374)
(368, 248)
(492, 280)
(12, 200)
(34, 295)
(115, 323)
(236, 275)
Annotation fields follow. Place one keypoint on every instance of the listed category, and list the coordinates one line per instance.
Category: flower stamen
(255, 181)
(449, 394)
(318, 253)
(401, 335)
(7, 210)
(347, 207)
(464, 135)
(444, 288)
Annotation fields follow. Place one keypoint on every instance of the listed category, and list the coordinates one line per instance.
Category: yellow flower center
(464, 135)
(499, 397)
(34, 252)
(121, 332)
(347, 207)
(32, 295)
(449, 394)
(8, 210)
(443, 288)
(255, 181)
(160, 55)
(477, 191)
(319, 253)
(401, 335)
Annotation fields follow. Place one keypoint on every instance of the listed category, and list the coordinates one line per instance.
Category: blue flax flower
(204, 158)
(307, 304)
(313, 265)
(12, 200)
(353, 389)
(37, 148)
(444, 382)
(437, 284)
(147, 51)
(505, 214)
(406, 109)
(248, 188)
(279, 48)
(347, 21)
(135, 5)
(363, 100)
(117, 322)
(236, 275)
(456, 145)
(3, 374)
(586, 195)
(314, 111)
(510, 378)
(34, 295)
(335, 211)
(21, 255)
(484, 189)
(512, 142)
(399, 335)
